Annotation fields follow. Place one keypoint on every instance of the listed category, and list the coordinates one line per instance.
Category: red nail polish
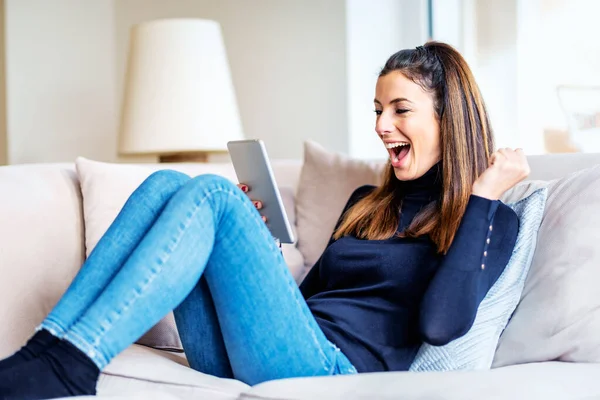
(244, 188)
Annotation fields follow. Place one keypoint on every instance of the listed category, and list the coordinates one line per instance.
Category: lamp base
(191, 157)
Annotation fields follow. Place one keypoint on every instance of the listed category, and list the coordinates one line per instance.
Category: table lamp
(179, 101)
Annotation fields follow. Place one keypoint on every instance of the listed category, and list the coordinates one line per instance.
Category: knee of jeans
(220, 190)
(211, 181)
(166, 179)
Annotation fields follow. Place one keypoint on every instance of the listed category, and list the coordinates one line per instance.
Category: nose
(384, 125)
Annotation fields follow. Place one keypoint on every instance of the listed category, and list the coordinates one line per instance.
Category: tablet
(252, 167)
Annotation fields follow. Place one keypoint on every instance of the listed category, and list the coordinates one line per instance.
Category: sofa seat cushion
(141, 369)
(548, 381)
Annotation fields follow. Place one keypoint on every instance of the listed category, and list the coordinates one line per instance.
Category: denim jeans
(197, 246)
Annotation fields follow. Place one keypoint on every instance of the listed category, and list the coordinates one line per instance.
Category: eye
(401, 111)
(377, 112)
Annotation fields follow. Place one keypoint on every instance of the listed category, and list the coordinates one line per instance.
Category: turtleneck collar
(427, 187)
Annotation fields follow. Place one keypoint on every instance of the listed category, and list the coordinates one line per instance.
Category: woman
(409, 261)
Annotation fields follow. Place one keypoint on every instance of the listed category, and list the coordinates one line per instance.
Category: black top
(379, 300)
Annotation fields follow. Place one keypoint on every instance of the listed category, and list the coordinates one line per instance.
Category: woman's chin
(403, 174)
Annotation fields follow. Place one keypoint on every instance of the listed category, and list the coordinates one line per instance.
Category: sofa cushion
(41, 245)
(106, 187)
(326, 182)
(547, 381)
(557, 318)
(140, 370)
(475, 350)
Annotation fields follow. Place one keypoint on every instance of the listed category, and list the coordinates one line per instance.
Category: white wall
(65, 64)
(569, 52)
(288, 63)
(448, 22)
(301, 69)
(60, 80)
(525, 49)
(530, 77)
(501, 42)
(496, 67)
(373, 34)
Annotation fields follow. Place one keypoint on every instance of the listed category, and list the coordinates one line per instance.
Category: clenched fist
(507, 168)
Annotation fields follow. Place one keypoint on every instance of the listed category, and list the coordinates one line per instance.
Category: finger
(500, 154)
(258, 204)
(504, 153)
(243, 187)
(509, 154)
(517, 155)
(264, 218)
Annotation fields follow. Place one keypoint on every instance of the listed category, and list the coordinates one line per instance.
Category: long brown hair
(466, 141)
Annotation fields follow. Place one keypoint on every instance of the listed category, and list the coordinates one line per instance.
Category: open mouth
(398, 152)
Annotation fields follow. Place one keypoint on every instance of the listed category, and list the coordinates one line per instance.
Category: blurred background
(301, 69)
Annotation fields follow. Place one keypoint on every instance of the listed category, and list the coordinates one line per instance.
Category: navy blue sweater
(379, 300)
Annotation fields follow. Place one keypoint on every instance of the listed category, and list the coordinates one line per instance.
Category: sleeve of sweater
(479, 253)
(312, 283)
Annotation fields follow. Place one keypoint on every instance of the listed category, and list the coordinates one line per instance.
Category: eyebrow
(397, 100)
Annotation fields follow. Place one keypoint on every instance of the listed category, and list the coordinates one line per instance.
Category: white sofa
(42, 245)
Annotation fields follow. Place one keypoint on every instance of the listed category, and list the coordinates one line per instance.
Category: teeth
(397, 144)
(394, 145)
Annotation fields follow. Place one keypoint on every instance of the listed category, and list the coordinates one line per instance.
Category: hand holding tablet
(252, 168)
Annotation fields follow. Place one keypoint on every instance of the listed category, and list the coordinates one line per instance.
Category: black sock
(60, 371)
(37, 344)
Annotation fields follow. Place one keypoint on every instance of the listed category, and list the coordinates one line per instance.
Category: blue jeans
(197, 246)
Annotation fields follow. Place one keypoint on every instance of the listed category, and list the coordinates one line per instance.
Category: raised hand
(507, 168)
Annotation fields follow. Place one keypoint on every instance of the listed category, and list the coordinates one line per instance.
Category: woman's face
(407, 125)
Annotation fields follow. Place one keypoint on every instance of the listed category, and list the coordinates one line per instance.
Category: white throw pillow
(475, 350)
(557, 318)
(105, 188)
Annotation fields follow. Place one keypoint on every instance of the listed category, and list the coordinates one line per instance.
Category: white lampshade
(179, 95)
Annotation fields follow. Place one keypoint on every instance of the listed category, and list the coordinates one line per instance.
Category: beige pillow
(326, 182)
(105, 189)
(558, 318)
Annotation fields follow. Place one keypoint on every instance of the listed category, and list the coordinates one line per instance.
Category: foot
(36, 345)
(61, 371)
